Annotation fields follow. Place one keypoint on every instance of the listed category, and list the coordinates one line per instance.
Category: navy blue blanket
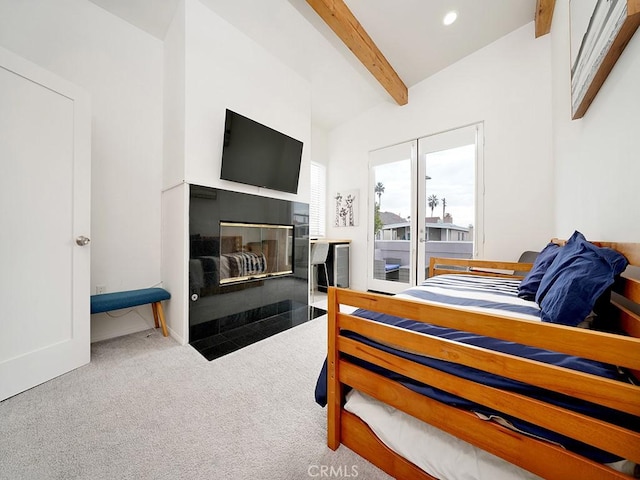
(488, 297)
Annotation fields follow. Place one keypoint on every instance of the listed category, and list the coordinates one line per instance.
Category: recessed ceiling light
(450, 17)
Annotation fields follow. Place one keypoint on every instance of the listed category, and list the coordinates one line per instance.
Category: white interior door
(45, 129)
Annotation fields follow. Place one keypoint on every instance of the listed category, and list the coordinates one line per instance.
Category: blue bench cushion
(391, 266)
(114, 301)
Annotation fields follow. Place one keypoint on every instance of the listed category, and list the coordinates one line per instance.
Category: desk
(338, 264)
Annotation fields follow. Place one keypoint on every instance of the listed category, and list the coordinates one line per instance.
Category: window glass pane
(450, 203)
(392, 210)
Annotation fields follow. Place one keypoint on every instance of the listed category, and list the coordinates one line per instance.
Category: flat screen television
(255, 154)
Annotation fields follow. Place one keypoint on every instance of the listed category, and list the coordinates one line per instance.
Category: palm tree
(379, 190)
(433, 202)
(377, 221)
(444, 205)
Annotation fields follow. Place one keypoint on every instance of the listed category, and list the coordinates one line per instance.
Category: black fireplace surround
(248, 268)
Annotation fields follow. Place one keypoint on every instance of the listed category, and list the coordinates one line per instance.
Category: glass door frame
(418, 195)
(447, 140)
(386, 156)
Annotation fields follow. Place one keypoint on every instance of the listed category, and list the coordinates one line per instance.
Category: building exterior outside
(442, 239)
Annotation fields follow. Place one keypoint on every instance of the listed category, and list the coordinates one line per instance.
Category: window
(318, 202)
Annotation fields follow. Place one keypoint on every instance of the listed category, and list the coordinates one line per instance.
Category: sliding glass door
(427, 201)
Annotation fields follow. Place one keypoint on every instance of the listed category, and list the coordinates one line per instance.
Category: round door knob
(82, 240)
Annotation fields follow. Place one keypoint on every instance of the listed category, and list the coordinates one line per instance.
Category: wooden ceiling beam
(544, 16)
(339, 18)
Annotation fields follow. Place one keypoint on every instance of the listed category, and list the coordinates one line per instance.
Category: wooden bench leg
(155, 314)
(158, 313)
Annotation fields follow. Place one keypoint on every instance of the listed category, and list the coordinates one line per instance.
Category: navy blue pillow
(530, 283)
(579, 274)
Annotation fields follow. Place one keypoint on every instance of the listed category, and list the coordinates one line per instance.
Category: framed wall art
(600, 30)
(346, 210)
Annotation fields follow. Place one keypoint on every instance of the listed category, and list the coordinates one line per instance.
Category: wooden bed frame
(542, 458)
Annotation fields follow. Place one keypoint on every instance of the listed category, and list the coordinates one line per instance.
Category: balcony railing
(399, 252)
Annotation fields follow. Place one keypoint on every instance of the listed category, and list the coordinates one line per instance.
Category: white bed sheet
(436, 452)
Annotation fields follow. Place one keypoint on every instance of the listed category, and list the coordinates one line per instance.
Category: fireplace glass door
(253, 251)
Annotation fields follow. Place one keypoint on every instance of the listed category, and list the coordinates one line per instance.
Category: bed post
(334, 388)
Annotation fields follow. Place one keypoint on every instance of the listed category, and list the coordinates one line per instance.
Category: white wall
(506, 85)
(224, 68)
(597, 163)
(175, 252)
(319, 145)
(211, 66)
(121, 67)
(174, 100)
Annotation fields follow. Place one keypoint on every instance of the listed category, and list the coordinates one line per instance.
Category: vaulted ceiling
(391, 44)
(339, 17)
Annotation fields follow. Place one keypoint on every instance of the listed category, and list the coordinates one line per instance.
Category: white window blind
(318, 203)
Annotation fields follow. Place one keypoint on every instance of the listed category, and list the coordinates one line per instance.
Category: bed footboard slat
(629, 288)
(438, 266)
(334, 387)
(358, 437)
(600, 346)
(544, 459)
(630, 250)
(614, 394)
(619, 441)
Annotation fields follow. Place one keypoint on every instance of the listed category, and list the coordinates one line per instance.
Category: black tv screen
(255, 154)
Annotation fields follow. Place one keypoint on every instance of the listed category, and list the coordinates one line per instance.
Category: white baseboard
(120, 322)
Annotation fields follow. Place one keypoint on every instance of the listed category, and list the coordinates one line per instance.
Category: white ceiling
(409, 33)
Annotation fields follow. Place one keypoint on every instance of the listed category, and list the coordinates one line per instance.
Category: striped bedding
(495, 296)
(482, 294)
(242, 264)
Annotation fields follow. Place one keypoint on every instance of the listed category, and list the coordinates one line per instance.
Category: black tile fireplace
(248, 268)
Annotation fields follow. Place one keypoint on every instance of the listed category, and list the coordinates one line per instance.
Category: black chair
(527, 257)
